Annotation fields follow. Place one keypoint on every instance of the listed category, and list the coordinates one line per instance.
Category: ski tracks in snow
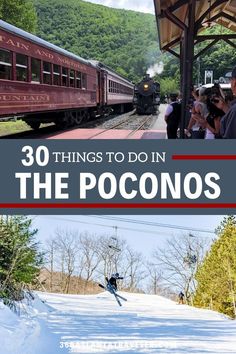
(145, 324)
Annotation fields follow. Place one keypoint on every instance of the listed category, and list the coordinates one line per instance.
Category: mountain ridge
(125, 40)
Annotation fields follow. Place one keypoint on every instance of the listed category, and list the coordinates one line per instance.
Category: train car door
(102, 82)
(104, 86)
(99, 88)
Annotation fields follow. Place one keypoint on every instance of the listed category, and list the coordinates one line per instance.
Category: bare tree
(89, 257)
(110, 257)
(66, 245)
(133, 269)
(155, 279)
(179, 261)
(49, 259)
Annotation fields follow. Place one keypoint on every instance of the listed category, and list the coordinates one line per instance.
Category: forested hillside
(20, 13)
(124, 40)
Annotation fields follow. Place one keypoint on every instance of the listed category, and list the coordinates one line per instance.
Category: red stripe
(115, 205)
(203, 157)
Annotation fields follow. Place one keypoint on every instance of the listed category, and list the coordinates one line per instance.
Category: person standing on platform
(228, 121)
(200, 112)
(173, 116)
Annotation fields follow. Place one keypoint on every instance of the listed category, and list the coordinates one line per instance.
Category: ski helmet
(117, 275)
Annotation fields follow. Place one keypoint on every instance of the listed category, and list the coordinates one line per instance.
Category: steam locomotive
(147, 96)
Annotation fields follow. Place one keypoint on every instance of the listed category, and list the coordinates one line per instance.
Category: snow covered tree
(216, 276)
(19, 257)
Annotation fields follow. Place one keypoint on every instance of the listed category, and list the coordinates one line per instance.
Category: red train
(41, 82)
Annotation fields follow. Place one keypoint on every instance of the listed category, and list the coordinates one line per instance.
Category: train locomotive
(41, 83)
(147, 96)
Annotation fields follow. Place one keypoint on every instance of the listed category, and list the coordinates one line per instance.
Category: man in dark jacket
(173, 116)
(181, 298)
(113, 280)
(228, 121)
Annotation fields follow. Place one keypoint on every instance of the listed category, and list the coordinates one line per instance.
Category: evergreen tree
(19, 257)
(216, 276)
(20, 13)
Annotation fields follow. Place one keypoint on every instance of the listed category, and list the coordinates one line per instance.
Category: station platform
(158, 131)
(101, 134)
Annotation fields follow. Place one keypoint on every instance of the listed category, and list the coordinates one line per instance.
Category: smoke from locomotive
(147, 96)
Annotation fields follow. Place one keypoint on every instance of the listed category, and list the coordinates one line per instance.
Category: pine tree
(216, 276)
(19, 257)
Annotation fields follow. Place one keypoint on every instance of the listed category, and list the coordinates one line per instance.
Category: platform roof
(168, 11)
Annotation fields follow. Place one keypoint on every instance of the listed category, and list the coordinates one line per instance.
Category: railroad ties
(122, 126)
(125, 126)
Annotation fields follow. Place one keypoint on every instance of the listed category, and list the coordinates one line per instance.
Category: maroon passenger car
(41, 82)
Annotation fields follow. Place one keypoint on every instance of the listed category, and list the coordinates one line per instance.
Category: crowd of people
(212, 114)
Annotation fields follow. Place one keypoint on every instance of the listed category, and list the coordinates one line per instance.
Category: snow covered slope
(95, 323)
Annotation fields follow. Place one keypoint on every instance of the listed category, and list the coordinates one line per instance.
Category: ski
(112, 291)
(102, 286)
(121, 297)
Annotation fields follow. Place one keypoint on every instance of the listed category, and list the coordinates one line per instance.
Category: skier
(111, 287)
(113, 280)
(181, 298)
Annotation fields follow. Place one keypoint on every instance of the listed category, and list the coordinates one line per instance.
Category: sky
(133, 228)
(136, 5)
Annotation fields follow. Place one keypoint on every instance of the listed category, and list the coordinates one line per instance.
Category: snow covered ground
(95, 324)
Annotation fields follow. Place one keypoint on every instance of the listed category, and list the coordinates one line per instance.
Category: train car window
(21, 67)
(47, 73)
(72, 78)
(78, 79)
(84, 81)
(56, 75)
(35, 70)
(64, 76)
(5, 65)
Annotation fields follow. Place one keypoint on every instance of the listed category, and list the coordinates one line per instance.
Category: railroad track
(52, 129)
(143, 121)
(128, 121)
